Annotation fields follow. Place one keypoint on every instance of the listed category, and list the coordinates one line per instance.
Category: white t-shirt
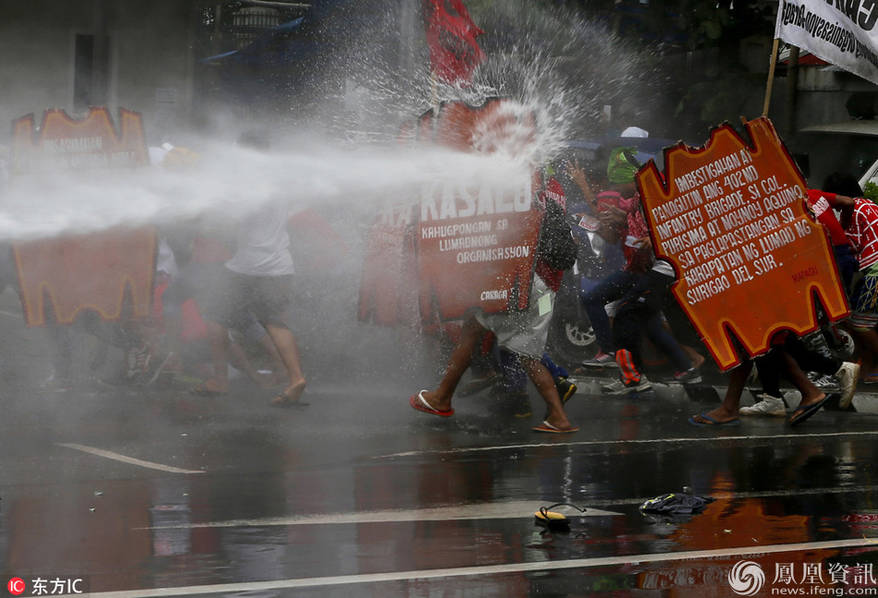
(263, 243)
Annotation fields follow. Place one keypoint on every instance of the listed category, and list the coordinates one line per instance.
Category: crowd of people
(630, 307)
(222, 292)
(220, 297)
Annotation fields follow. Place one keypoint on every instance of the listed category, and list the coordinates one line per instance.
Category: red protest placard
(83, 271)
(476, 245)
(749, 258)
(389, 278)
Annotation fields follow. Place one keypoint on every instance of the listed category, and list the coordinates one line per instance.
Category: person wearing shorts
(257, 279)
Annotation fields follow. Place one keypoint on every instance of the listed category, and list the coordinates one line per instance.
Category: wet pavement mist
(357, 494)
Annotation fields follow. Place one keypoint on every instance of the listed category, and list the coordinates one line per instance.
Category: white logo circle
(746, 578)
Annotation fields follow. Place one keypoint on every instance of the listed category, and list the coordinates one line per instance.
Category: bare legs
(440, 399)
(285, 343)
(283, 339)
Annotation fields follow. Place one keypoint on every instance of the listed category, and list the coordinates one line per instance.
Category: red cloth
(554, 191)
(862, 232)
(193, 327)
(819, 202)
(451, 39)
(637, 258)
(607, 199)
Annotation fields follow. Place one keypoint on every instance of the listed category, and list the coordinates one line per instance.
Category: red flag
(451, 37)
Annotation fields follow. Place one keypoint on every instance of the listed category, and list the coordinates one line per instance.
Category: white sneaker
(769, 405)
(613, 387)
(848, 375)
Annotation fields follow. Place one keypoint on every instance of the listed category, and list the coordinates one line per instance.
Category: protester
(859, 218)
(770, 367)
(618, 211)
(640, 289)
(257, 280)
(522, 333)
(641, 311)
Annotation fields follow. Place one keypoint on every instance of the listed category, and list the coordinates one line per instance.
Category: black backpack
(556, 246)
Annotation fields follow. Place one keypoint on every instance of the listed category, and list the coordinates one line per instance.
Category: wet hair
(842, 183)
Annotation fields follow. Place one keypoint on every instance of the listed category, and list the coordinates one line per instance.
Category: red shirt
(862, 232)
(819, 202)
(553, 191)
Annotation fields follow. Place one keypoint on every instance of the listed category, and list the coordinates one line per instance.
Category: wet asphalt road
(357, 494)
(158, 492)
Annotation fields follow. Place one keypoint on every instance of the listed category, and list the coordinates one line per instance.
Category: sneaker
(601, 360)
(848, 375)
(825, 383)
(618, 387)
(690, 376)
(769, 405)
(566, 389)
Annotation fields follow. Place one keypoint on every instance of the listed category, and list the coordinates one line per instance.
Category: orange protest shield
(84, 271)
(750, 260)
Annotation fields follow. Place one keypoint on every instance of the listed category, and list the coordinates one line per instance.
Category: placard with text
(749, 258)
(93, 271)
(476, 243)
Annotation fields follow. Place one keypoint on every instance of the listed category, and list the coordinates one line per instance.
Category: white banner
(842, 32)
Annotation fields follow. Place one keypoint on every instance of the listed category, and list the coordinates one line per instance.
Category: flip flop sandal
(417, 401)
(550, 429)
(809, 410)
(711, 422)
(554, 520)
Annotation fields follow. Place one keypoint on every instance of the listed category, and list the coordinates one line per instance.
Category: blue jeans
(613, 287)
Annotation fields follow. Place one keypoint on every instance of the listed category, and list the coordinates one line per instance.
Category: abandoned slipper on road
(804, 412)
(551, 429)
(711, 422)
(417, 401)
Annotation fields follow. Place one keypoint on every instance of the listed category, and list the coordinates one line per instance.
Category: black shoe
(520, 405)
(566, 388)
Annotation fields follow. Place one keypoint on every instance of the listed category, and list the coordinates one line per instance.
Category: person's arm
(840, 202)
(845, 205)
(577, 175)
(613, 220)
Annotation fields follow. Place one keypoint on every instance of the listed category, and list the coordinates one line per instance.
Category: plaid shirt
(862, 232)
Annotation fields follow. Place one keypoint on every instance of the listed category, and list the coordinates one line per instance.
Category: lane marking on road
(9, 314)
(540, 566)
(124, 459)
(647, 441)
(523, 509)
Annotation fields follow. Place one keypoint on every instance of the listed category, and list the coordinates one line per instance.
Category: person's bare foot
(434, 401)
(553, 428)
(290, 395)
(714, 417)
(811, 400)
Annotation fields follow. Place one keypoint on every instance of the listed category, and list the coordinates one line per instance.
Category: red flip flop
(418, 402)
